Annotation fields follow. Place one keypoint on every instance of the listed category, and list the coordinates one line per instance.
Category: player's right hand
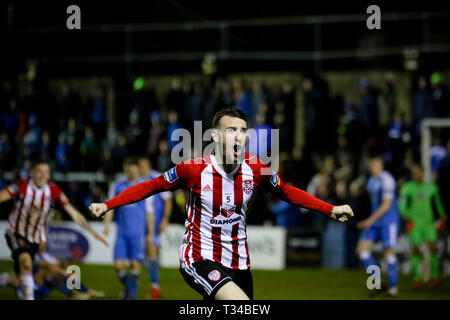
(98, 209)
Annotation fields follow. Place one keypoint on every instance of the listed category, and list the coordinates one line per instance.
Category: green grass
(289, 284)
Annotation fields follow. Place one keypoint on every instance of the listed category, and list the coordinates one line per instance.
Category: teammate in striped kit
(214, 255)
(29, 218)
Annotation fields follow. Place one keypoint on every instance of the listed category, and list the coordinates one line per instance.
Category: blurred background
(86, 99)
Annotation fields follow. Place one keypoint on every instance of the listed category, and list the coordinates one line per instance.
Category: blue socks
(367, 259)
(392, 271)
(153, 272)
(132, 285)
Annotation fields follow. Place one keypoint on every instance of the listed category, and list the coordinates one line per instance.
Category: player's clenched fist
(98, 209)
(342, 213)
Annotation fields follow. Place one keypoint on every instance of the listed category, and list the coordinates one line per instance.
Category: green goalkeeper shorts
(422, 233)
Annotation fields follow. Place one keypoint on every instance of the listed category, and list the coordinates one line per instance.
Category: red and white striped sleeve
(174, 178)
(14, 188)
(58, 195)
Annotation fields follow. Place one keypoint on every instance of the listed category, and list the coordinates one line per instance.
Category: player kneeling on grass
(214, 255)
(28, 221)
(49, 273)
(417, 202)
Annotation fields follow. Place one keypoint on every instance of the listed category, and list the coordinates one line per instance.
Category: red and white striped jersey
(31, 211)
(217, 204)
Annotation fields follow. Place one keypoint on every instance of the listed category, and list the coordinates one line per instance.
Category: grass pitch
(289, 284)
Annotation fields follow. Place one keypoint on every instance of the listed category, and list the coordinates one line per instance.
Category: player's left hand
(342, 213)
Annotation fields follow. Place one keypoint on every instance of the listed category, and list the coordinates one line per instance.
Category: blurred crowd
(75, 133)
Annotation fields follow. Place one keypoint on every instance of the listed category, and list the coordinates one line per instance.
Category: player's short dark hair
(34, 163)
(130, 161)
(142, 157)
(231, 112)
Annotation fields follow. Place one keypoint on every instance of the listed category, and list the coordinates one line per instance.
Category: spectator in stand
(175, 97)
(32, 137)
(368, 112)
(287, 96)
(258, 97)
(134, 133)
(422, 107)
(398, 138)
(98, 114)
(164, 160)
(62, 155)
(440, 97)
(173, 125)
(155, 134)
(386, 103)
(90, 151)
(241, 98)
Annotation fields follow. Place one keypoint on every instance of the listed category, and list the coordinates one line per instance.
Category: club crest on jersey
(214, 275)
(227, 212)
(170, 175)
(248, 186)
(275, 180)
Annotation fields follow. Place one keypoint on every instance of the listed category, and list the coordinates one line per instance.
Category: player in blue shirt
(383, 223)
(159, 209)
(131, 223)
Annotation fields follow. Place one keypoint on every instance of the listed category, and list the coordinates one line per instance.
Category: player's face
(132, 172)
(144, 167)
(40, 174)
(376, 166)
(417, 173)
(232, 138)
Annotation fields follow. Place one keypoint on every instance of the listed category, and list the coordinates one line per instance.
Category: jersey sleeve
(438, 202)
(149, 204)
(13, 189)
(59, 196)
(405, 200)
(170, 180)
(388, 185)
(294, 195)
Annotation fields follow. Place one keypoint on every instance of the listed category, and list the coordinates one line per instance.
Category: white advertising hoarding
(68, 241)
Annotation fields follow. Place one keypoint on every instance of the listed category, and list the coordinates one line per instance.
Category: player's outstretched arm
(134, 194)
(301, 198)
(81, 221)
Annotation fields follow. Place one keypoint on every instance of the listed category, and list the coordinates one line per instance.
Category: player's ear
(215, 135)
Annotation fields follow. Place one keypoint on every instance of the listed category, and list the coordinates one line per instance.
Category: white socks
(27, 283)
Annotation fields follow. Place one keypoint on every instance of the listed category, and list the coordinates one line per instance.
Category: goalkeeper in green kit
(418, 200)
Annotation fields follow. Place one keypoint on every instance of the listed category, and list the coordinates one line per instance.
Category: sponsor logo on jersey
(170, 175)
(214, 275)
(227, 212)
(248, 186)
(275, 180)
(225, 221)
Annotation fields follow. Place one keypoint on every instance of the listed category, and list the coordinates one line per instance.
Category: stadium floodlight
(426, 126)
